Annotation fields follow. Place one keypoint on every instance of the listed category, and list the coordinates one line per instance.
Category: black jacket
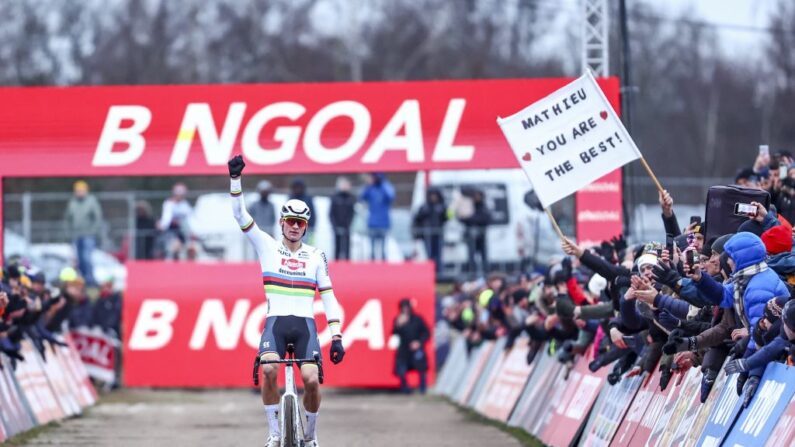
(341, 213)
(414, 330)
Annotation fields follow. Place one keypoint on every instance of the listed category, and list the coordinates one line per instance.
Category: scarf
(741, 279)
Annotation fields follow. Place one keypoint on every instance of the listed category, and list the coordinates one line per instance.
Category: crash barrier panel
(454, 367)
(98, 351)
(43, 388)
(493, 364)
(569, 405)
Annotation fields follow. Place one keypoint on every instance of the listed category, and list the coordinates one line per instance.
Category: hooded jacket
(745, 249)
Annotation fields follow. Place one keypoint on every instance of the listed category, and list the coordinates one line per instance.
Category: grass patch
(526, 439)
(27, 436)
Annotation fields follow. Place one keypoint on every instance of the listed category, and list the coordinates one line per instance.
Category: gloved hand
(531, 355)
(606, 250)
(667, 319)
(738, 350)
(236, 165)
(736, 366)
(678, 344)
(665, 378)
(750, 389)
(566, 268)
(619, 243)
(666, 275)
(622, 281)
(707, 382)
(337, 351)
(741, 383)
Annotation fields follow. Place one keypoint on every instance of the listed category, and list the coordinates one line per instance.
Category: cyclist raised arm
(292, 272)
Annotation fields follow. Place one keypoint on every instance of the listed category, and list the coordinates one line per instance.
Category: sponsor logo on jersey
(293, 264)
(303, 255)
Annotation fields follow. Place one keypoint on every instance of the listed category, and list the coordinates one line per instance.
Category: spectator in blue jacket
(379, 195)
(771, 351)
(752, 285)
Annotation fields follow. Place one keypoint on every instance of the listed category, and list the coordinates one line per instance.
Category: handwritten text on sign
(568, 139)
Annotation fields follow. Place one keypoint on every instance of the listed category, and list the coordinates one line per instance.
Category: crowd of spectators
(40, 310)
(683, 302)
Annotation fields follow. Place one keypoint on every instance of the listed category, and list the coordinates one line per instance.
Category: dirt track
(235, 418)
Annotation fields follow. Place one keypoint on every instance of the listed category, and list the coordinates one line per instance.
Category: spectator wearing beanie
(777, 240)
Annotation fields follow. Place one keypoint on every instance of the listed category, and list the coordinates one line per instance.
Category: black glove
(666, 275)
(707, 382)
(741, 383)
(236, 165)
(667, 319)
(337, 351)
(622, 281)
(736, 366)
(678, 344)
(606, 251)
(738, 350)
(566, 268)
(750, 389)
(665, 378)
(619, 243)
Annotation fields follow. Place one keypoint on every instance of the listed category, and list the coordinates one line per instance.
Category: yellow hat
(25, 281)
(68, 274)
(80, 185)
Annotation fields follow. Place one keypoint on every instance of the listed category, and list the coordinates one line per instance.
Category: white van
(517, 232)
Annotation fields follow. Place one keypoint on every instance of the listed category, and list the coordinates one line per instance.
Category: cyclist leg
(308, 345)
(271, 347)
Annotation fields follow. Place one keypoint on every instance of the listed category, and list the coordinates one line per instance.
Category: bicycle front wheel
(289, 423)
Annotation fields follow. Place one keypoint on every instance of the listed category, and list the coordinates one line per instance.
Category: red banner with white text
(278, 128)
(199, 325)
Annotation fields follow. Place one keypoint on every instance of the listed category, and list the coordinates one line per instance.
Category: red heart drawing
(603, 114)
(527, 156)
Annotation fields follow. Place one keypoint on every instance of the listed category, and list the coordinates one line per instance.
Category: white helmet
(297, 209)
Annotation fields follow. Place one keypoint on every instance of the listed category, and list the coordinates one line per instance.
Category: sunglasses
(292, 221)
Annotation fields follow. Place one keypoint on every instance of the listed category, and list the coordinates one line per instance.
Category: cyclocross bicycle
(290, 420)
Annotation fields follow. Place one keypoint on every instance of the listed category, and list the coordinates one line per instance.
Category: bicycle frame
(290, 420)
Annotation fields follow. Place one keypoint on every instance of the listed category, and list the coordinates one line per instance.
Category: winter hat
(717, 246)
(597, 284)
(647, 259)
(788, 314)
(751, 226)
(773, 308)
(777, 240)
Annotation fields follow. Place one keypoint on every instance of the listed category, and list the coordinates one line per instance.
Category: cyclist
(291, 273)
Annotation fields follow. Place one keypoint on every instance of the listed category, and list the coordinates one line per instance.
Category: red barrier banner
(36, 388)
(640, 404)
(86, 393)
(675, 409)
(284, 128)
(571, 411)
(609, 415)
(659, 410)
(199, 325)
(97, 351)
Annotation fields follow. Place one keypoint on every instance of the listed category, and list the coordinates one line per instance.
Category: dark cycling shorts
(301, 332)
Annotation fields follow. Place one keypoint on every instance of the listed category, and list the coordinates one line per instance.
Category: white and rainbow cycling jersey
(290, 279)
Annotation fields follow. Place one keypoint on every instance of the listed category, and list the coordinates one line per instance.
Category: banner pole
(651, 174)
(554, 224)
